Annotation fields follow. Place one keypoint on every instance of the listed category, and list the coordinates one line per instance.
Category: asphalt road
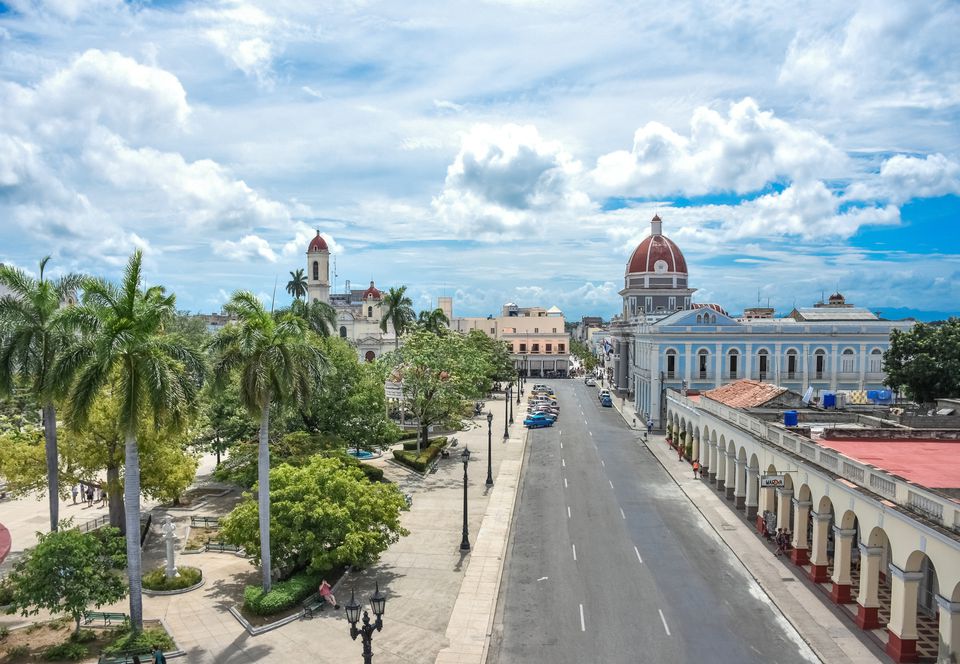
(610, 562)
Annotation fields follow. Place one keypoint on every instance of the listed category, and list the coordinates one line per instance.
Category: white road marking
(622, 515)
(583, 625)
(574, 546)
(568, 511)
(611, 484)
(602, 463)
(664, 620)
(591, 433)
(563, 462)
(564, 482)
(637, 551)
(543, 578)
(561, 444)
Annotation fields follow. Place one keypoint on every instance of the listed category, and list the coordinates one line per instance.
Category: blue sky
(502, 150)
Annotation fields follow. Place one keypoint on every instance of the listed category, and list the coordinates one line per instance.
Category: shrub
(373, 473)
(6, 592)
(157, 579)
(4, 632)
(68, 650)
(18, 651)
(420, 462)
(84, 636)
(412, 445)
(128, 642)
(408, 435)
(282, 596)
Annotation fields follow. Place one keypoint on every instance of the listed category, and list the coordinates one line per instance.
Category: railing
(809, 451)
(93, 524)
(828, 460)
(925, 505)
(884, 486)
(853, 472)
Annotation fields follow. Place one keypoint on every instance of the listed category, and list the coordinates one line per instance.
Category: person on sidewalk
(90, 496)
(696, 468)
(75, 491)
(158, 657)
(781, 541)
(680, 452)
(650, 425)
(327, 594)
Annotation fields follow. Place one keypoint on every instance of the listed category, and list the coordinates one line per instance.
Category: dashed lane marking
(583, 625)
(664, 621)
(637, 551)
(563, 462)
(568, 511)
(564, 482)
(611, 483)
(602, 463)
(622, 515)
(574, 546)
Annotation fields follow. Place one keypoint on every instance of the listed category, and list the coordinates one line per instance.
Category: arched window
(763, 358)
(699, 318)
(820, 363)
(791, 364)
(671, 363)
(733, 360)
(343, 331)
(847, 361)
(370, 356)
(369, 312)
(316, 270)
(876, 360)
(703, 361)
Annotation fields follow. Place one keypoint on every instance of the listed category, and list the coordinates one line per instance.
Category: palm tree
(297, 286)
(156, 376)
(433, 321)
(320, 316)
(32, 334)
(399, 312)
(272, 355)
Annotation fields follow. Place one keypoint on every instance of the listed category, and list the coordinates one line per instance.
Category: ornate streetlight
(489, 455)
(377, 604)
(520, 384)
(510, 401)
(465, 455)
(506, 415)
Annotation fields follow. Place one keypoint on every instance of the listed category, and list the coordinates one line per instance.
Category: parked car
(537, 421)
(606, 401)
(590, 381)
(603, 393)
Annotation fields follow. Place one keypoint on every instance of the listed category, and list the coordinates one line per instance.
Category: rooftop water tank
(829, 400)
(790, 418)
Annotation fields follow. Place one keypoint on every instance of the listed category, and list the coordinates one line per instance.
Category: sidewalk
(829, 636)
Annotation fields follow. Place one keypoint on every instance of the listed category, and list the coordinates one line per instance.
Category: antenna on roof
(335, 275)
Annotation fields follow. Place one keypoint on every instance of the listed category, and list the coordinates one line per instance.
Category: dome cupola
(657, 254)
(317, 244)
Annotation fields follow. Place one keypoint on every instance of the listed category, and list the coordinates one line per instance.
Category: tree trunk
(263, 476)
(53, 463)
(424, 431)
(76, 619)
(115, 499)
(131, 504)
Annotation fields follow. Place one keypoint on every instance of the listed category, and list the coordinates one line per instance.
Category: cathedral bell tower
(318, 270)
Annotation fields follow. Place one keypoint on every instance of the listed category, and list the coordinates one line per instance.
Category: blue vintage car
(606, 401)
(538, 420)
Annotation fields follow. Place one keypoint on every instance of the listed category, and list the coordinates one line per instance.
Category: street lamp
(520, 384)
(465, 455)
(506, 416)
(510, 401)
(377, 604)
(489, 457)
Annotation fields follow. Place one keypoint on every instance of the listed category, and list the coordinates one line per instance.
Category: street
(609, 561)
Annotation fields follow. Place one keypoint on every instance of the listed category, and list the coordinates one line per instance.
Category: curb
(180, 591)
(257, 631)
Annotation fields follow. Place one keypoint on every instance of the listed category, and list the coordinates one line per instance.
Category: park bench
(222, 547)
(106, 617)
(145, 656)
(313, 603)
(204, 522)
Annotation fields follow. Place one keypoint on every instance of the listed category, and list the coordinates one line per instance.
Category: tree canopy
(323, 514)
(925, 361)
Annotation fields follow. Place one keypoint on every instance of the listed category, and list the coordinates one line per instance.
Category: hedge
(137, 643)
(284, 594)
(420, 462)
(373, 473)
(157, 579)
(412, 445)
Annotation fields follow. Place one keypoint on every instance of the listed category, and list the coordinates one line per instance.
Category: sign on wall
(771, 481)
(393, 390)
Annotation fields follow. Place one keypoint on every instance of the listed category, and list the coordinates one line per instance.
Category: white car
(591, 382)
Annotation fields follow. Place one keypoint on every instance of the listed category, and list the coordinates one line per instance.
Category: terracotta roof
(745, 393)
(933, 464)
(317, 244)
(656, 248)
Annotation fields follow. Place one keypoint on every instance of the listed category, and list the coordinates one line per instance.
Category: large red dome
(653, 250)
(317, 244)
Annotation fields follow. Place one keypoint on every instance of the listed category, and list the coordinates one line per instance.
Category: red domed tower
(655, 280)
(318, 270)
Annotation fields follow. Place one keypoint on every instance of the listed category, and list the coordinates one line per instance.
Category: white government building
(664, 340)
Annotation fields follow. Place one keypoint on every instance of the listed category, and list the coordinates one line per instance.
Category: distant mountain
(896, 313)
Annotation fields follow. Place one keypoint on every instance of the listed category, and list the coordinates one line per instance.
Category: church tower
(318, 270)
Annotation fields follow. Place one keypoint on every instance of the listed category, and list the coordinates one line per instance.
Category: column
(753, 491)
(721, 467)
(731, 481)
(784, 496)
(740, 491)
(949, 631)
(695, 448)
(902, 628)
(806, 365)
(862, 361)
(747, 361)
(688, 364)
(713, 461)
(868, 601)
(834, 361)
(801, 514)
(718, 377)
(818, 552)
(842, 549)
(774, 367)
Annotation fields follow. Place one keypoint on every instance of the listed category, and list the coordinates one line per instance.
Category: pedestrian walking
(327, 593)
(650, 425)
(696, 468)
(158, 657)
(680, 452)
(103, 497)
(75, 491)
(90, 496)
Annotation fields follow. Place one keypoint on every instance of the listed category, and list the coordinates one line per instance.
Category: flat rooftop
(932, 464)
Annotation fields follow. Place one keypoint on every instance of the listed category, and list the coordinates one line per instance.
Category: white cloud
(741, 152)
(505, 178)
(446, 105)
(66, 9)
(297, 247)
(247, 248)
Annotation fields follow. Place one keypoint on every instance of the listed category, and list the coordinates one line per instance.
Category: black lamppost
(377, 604)
(506, 415)
(489, 454)
(510, 401)
(520, 384)
(465, 455)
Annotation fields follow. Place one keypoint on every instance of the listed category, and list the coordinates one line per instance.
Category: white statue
(170, 538)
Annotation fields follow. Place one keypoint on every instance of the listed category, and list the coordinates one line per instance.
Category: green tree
(275, 360)
(32, 334)
(323, 514)
(438, 373)
(69, 571)
(224, 421)
(925, 360)
(320, 316)
(433, 321)
(297, 286)
(398, 312)
(582, 352)
(497, 365)
(156, 377)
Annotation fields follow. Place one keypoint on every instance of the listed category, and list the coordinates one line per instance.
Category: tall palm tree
(32, 334)
(320, 316)
(157, 376)
(273, 356)
(398, 313)
(434, 321)
(297, 286)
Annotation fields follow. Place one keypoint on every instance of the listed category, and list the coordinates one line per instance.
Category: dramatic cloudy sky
(491, 150)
